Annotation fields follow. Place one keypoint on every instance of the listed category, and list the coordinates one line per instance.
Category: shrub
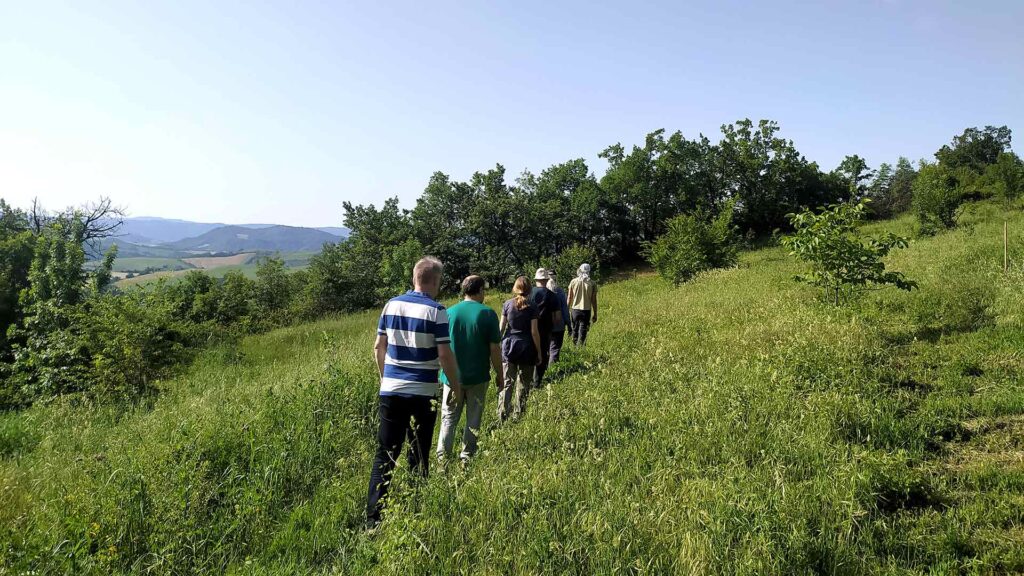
(568, 261)
(1005, 178)
(693, 243)
(938, 195)
(839, 260)
(109, 345)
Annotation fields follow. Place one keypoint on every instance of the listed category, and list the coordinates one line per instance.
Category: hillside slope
(151, 230)
(234, 239)
(735, 425)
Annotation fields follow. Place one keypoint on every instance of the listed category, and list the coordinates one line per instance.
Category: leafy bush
(938, 195)
(566, 263)
(693, 243)
(839, 260)
(1005, 178)
(109, 345)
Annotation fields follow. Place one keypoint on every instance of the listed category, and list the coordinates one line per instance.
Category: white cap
(541, 274)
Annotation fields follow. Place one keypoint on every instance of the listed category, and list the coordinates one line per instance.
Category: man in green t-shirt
(475, 341)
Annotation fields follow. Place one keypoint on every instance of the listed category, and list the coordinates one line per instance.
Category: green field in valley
(735, 425)
(170, 269)
(139, 264)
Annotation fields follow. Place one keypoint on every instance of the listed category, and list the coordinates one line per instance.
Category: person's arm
(536, 340)
(495, 342)
(555, 305)
(380, 349)
(572, 291)
(450, 367)
(496, 365)
(593, 304)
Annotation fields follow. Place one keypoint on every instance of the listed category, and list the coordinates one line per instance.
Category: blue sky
(279, 112)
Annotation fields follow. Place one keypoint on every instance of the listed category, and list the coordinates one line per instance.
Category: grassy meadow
(734, 425)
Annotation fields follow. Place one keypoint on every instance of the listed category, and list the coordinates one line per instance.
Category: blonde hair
(521, 290)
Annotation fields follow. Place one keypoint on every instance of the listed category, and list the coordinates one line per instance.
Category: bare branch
(37, 217)
(101, 219)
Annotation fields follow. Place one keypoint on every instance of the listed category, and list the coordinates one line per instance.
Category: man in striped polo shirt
(412, 344)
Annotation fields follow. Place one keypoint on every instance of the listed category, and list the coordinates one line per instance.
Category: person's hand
(540, 359)
(594, 321)
(456, 389)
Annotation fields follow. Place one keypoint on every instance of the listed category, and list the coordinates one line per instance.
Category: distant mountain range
(166, 237)
(151, 230)
(243, 239)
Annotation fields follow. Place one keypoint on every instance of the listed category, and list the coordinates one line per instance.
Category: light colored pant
(473, 398)
(518, 378)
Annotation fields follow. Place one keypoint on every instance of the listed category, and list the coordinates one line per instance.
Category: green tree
(854, 171)
(273, 289)
(840, 262)
(901, 191)
(879, 191)
(768, 177)
(498, 225)
(975, 148)
(103, 275)
(938, 194)
(342, 278)
(441, 223)
(234, 298)
(17, 249)
(395, 269)
(1005, 177)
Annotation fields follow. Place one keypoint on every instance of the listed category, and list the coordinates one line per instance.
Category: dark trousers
(580, 326)
(538, 372)
(555, 350)
(401, 419)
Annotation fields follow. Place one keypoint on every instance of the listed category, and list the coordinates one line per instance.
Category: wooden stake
(1006, 253)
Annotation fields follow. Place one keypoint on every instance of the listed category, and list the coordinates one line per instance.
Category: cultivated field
(138, 264)
(216, 266)
(735, 425)
(220, 261)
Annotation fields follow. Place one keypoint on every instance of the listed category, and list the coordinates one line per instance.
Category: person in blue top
(520, 350)
(412, 344)
(549, 313)
(558, 330)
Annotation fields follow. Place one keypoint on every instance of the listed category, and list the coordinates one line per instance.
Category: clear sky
(277, 112)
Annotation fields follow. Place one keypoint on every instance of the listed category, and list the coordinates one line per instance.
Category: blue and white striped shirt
(414, 325)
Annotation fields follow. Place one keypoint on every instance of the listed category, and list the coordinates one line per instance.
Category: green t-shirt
(473, 328)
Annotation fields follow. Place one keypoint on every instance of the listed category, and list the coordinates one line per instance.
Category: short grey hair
(427, 270)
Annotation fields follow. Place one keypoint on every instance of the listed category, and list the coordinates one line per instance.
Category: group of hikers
(417, 337)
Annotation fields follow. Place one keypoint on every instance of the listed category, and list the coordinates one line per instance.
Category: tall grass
(734, 425)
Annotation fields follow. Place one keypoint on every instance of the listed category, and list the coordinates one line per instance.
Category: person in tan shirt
(582, 304)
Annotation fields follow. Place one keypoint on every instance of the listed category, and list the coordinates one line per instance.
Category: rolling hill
(240, 239)
(150, 237)
(150, 230)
